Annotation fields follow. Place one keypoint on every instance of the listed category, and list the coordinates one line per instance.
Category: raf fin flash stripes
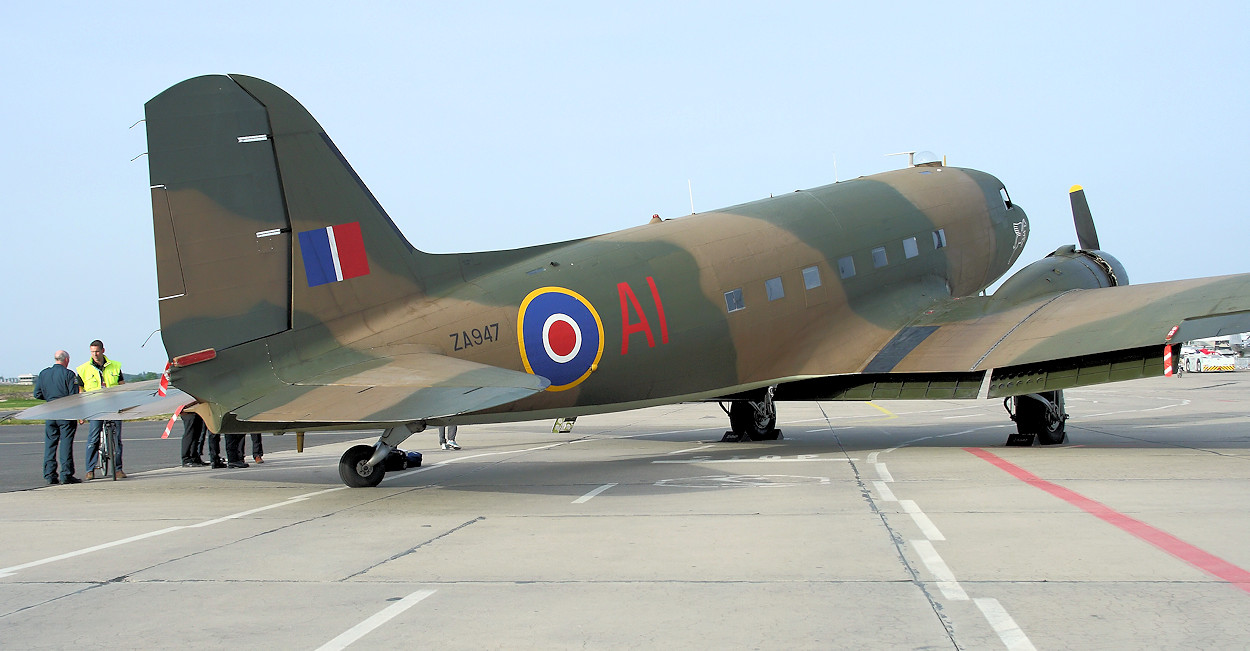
(333, 253)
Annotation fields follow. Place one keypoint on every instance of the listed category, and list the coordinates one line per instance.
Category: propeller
(1086, 236)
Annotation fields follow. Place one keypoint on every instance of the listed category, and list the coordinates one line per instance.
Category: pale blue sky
(497, 125)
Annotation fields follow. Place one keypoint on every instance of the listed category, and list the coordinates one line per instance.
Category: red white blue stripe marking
(333, 254)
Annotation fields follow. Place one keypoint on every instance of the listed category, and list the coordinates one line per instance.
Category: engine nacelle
(1065, 269)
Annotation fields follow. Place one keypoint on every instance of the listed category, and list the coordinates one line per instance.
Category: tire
(1032, 417)
(755, 424)
(352, 468)
(110, 435)
(104, 454)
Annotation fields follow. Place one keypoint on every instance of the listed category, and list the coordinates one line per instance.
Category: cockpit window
(1006, 197)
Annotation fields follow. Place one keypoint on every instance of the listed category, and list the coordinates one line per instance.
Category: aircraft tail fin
(261, 225)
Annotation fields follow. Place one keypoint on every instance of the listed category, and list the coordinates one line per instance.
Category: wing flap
(396, 389)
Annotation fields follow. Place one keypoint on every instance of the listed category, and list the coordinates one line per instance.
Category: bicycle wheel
(108, 455)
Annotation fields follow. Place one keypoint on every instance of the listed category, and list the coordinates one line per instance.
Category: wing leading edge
(122, 402)
(990, 347)
(981, 333)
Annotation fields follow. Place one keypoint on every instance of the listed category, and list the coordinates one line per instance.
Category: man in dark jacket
(54, 382)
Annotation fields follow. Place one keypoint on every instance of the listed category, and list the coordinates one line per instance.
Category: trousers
(58, 445)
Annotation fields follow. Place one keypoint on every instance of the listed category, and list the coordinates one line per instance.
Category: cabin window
(733, 300)
(939, 238)
(878, 257)
(774, 288)
(910, 248)
(1006, 198)
(846, 267)
(811, 277)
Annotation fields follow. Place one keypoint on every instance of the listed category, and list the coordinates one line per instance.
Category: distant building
(28, 379)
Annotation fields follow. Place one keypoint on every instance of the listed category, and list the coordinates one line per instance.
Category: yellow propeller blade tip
(1075, 188)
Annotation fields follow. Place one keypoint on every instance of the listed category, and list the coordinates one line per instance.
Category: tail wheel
(1045, 418)
(354, 472)
(755, 420)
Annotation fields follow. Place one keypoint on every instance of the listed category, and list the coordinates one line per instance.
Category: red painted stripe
(1213, 565)
(351, 248)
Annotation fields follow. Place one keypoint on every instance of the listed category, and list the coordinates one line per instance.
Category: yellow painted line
(888, 414)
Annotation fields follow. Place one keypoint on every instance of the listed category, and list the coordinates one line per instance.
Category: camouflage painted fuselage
(308, 307)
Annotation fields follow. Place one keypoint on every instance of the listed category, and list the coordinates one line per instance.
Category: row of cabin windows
(911, 249)
(773, 288)
(846, 268)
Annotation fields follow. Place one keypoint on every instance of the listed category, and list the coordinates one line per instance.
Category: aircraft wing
(122, 402)
(978, 333)
(988, 346)
(393, 389)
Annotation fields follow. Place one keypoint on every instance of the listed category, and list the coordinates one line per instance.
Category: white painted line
(961, 416)
(701, 447)
(926, 525)
(884, 473)
(381, 617)
(588, 496)
(460, 459)
(1002, 623)
(6, 571)
(765, 459)
(872, 458)
(1134, 411)
(937, 567)
(884, 490)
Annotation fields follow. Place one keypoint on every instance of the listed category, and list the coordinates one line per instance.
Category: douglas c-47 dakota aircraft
(290, 301)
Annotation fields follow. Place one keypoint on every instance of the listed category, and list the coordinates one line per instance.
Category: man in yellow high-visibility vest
(100, 372)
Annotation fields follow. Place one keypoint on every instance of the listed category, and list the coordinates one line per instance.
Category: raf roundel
(561, 336)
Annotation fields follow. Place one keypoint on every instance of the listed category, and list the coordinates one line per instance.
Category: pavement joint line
(346, 638)
(1008, 631)
(589, 496)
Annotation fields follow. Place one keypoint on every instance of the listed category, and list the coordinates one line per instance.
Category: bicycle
(107, 460)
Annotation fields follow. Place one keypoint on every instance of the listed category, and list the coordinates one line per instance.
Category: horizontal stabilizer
(122, 402)
(403, 388)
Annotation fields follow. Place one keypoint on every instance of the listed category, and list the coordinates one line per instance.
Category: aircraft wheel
(756, 420)
(1033, 417)
(354, 472)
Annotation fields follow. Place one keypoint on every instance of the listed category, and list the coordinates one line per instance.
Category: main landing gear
(364, 466)
(752, 420)
(1041, 415)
